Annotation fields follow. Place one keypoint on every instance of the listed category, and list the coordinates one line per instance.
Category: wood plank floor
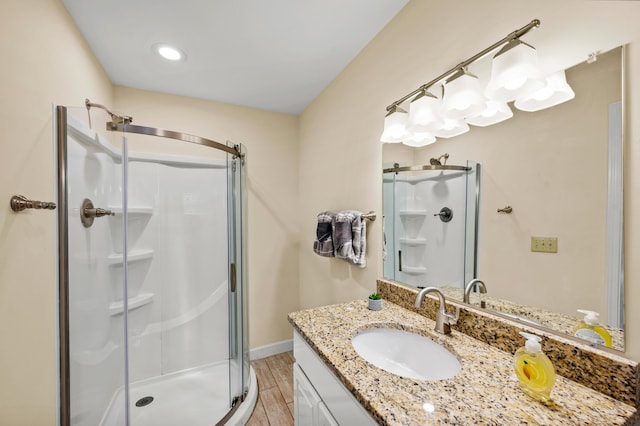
(275, 391)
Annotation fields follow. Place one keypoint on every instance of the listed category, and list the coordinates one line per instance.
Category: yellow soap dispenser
(591, 330)
(534, 369)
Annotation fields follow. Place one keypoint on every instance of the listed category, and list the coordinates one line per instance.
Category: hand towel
(323, 245)
(350, 237)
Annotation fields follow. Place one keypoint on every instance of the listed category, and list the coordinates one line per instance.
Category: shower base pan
(195, 397)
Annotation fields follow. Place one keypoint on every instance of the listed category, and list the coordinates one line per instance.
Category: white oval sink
(406, 354)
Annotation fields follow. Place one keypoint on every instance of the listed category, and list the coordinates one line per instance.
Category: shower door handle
(232, 279)
(88, 213)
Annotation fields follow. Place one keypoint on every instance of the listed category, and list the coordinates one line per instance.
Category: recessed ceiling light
(169, 52)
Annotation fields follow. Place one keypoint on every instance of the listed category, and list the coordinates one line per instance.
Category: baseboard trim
(271, 349)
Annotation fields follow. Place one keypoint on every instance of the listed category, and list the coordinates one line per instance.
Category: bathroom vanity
(334, 385)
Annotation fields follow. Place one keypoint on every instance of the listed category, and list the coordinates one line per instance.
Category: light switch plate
(544, 244)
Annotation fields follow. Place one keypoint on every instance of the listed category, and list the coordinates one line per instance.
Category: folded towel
(350, 237)
(323, 245)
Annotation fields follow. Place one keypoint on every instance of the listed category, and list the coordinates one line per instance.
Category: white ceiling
(275, 55)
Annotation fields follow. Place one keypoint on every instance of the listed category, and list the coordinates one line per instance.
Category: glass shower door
(238, 295)
(178, 282)
(92, 334)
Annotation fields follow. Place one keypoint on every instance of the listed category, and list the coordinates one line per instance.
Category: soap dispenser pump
(534, 369)
(591, 330)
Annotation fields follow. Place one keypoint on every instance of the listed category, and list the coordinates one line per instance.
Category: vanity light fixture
(424, 114)
(514, 72)
(169, 52)
(514, 76)
(462, 95)
(556, 91)
(452, 128)
(494, 112)
(418, 139)
(395, 127)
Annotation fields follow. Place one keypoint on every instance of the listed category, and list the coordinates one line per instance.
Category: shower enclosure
(152, 275)
(430, 223)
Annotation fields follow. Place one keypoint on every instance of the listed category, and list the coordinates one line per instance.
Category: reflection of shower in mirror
(437, 162)
(431, 246)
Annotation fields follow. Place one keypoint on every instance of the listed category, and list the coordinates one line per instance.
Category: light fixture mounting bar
(513, 35)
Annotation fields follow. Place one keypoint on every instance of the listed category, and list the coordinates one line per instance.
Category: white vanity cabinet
(320, 399)
(308, 406)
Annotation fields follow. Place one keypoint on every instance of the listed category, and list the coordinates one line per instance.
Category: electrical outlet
(544, 244)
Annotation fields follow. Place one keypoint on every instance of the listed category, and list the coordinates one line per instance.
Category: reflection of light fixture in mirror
(424, 113)
(494, 112)
(429, 407)
(418, 139)
(555, 92)
(514, 72)
(169, 52)
(395, 125)
(462, 95)
(451, 128)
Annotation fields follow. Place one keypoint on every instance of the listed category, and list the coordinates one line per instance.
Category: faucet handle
(453, 319)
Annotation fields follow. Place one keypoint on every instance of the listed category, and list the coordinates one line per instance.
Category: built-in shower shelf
(414, 270)
(413, 241)
(117, 259)
(135, 211)
(411, 213)
(135, 302)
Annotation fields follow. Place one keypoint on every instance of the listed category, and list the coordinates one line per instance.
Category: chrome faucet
(443, 319)
(470, 285)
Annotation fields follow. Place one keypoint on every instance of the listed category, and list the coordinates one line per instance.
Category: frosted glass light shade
(555, 92)
(451, 128)
(418, 139)
(514, 72)
(424, 113)
(395, 126)
(462, 96)
(494, 112)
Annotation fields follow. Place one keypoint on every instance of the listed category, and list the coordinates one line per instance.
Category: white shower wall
(177, 268)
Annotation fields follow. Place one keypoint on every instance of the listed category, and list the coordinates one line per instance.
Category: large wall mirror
(559, 169)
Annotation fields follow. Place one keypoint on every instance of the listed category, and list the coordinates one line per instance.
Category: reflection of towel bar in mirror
(371, 216)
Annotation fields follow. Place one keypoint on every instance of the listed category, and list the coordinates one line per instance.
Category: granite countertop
(485, 392)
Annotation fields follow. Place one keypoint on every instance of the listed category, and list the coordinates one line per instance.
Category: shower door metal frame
(169, 134)
(60, 147)
(64, 397)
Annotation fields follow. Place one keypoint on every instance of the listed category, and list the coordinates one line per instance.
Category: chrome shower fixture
(437, 162)
(115, 118)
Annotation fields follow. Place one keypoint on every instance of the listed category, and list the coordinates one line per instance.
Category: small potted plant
(375, 302)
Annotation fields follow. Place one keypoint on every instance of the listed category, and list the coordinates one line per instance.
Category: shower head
(437, 162)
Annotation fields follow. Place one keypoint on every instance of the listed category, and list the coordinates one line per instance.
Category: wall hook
(507, 209)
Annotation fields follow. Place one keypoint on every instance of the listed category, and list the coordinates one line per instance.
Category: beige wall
(44, 60)
(343, 124)
(271, 142)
